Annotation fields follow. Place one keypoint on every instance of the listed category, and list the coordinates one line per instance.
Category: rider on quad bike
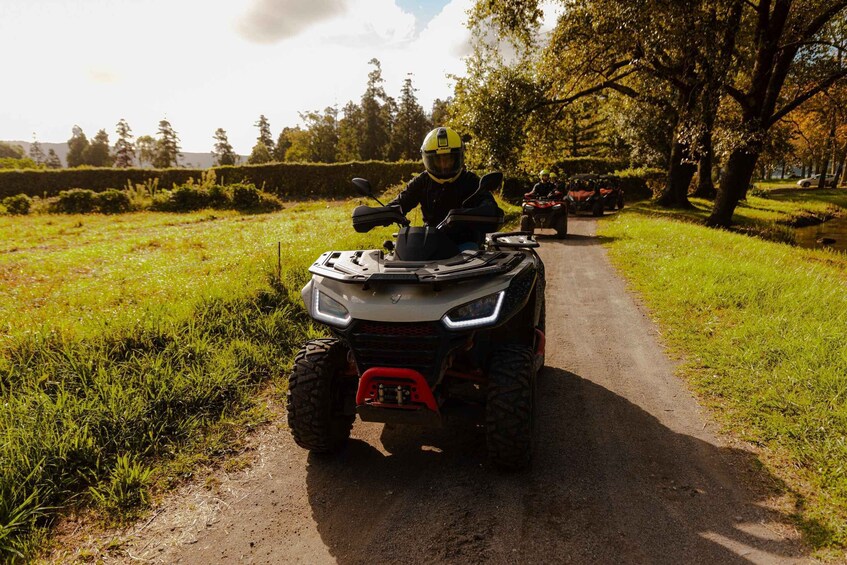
(545, 207)
(444, 186)
(423, 331)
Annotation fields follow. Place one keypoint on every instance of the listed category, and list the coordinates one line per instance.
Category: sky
(208, 64)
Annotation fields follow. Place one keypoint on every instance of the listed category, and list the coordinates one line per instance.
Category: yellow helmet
(544, 173)
(443, 155)
(553, 176)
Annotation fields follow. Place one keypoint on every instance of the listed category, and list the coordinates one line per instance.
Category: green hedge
(286, 180)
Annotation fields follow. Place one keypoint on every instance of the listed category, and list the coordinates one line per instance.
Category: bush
(112, 201)
(19, 204)
(74, 201)
(183, 198)
(642, 182)
(245, 197)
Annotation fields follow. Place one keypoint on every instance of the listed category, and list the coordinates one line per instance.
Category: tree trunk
(705, 186)
(736, 180)
(679, 178)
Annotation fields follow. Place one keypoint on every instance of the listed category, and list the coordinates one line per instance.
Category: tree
(97, 153)
(145, 146)
(259, 155)
(322, 136)
(77, 147)
(223, 152)
(283, 143)
(410, 124)
(376, 117)
(124, 148)
(53, 161)
(789, 37)
(36, 153)
(265, 133)
(350, 128)
(298, 150)
(440, 112)
(167, 147)
(10, 151)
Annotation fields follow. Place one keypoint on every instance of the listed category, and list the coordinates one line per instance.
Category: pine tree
(145, 147)
(167, 147)
(376, 120)
(265, 133)
(77, 146)
(440, 112)
(223, 152)
(36, 153)
(97, 154)
(53, 161)
(350, 132)
(410, 125)
(124, 149)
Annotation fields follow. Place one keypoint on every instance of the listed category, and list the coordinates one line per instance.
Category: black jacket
(436, 200)
(543, 189)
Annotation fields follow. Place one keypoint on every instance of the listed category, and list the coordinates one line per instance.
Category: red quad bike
(545, 212)
(584, 194)
(611, 192)
(422, 331)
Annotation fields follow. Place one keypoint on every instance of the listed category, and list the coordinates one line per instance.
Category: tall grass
(762, 330)
(125, 337)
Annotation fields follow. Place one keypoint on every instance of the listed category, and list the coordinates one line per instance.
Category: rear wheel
(527, 224)
(620, 202)
(315, 397)
(509, 409)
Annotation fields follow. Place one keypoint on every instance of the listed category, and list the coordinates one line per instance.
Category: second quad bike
(545, 212)
(584, 194)
(422, 331)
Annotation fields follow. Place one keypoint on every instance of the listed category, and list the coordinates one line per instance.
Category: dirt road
(628, 468)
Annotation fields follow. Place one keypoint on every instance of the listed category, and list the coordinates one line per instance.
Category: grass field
(760, 327)
(133, 342)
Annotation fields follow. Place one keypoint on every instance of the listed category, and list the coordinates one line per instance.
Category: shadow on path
(609, 484)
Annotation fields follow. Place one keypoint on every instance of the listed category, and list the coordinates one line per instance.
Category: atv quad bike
(611, 192)
(584, 194)
(545, 212)
(422, 331)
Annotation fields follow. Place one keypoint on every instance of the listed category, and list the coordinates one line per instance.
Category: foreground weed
(127, 488)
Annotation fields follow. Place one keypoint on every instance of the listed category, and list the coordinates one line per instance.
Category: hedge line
(286, 180)
(584, 165)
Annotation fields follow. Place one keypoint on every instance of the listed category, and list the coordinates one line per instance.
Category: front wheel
(597, 208)
(562, 226)
(620, 202)
(316, 397)
(509, 409)
(527, 224)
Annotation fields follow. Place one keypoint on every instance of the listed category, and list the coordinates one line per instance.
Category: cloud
(271, 21)
(102, 76)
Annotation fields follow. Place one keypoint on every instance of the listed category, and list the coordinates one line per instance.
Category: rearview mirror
(363, 187)
(490, 182)
(487, 183)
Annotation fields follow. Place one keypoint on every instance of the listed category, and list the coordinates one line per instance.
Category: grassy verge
(760, 327)
(126, 339)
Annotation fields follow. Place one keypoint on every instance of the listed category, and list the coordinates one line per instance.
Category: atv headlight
(557, 206)
(480, 312)
(330, 311)
(527, 208)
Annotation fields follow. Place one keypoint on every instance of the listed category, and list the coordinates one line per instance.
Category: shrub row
(286, 180)
(183, 198)
(585, 165)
